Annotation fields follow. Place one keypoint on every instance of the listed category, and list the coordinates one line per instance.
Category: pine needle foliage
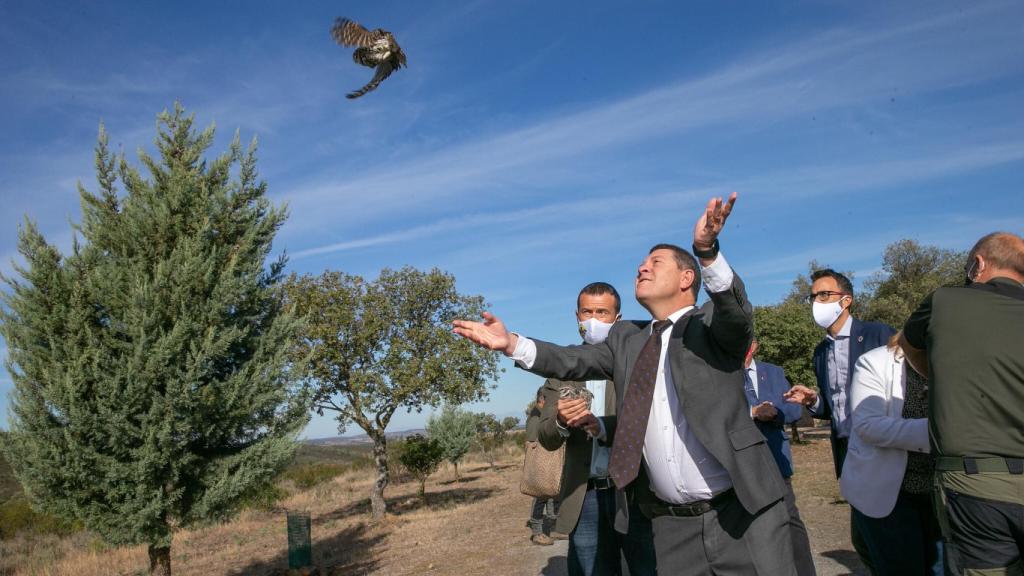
(151, 385)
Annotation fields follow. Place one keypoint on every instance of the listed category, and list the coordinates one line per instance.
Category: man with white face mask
(587, 512)
(846, 338)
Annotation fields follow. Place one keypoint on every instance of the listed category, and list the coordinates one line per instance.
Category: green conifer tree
(152, 387)
(454, 429)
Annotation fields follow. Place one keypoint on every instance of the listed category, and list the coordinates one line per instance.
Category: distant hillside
(361, 439)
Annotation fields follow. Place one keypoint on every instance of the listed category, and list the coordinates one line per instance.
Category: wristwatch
(706, 254)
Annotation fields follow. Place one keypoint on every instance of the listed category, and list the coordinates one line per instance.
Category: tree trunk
(423, 490)
(159, 560)
(380, 453)
(794, 434)
(456, 464)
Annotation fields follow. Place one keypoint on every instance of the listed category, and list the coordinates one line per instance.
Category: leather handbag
(542, 471)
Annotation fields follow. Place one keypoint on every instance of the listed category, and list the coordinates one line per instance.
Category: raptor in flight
(376, 49)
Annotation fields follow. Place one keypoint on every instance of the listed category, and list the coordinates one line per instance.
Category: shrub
(16, 515)
(421, 456)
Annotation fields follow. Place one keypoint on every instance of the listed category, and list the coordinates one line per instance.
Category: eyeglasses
(823, 296)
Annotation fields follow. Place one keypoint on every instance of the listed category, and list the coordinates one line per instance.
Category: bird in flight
(376, 49)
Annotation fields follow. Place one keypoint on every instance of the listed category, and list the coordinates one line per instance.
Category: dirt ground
(474, 526)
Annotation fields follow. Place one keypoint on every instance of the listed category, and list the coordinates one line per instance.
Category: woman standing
(887, 475)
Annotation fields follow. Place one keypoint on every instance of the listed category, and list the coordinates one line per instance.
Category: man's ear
(686, 280)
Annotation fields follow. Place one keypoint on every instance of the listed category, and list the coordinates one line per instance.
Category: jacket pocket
(745, 437)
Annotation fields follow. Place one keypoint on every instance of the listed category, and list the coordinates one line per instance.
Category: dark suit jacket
(705, 355)
(578, 450)
(771, 385)
(864, 336)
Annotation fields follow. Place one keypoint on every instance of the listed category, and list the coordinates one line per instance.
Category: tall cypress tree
(151, 384)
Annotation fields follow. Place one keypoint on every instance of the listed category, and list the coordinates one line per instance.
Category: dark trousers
(543, 509)
(907, 542)
(726, 541)
(986, 536)
(802, 555)
(594, 545)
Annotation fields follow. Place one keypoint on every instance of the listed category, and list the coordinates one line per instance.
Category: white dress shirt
(680, 468)
(752, 372)
(838, 365)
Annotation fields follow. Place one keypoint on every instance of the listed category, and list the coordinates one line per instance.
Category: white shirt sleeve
(525, 353)
(717, 276)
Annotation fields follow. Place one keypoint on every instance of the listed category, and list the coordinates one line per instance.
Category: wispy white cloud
(832, 70)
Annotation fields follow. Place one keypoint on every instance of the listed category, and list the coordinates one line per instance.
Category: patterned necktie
(628, 445)
(748, 388)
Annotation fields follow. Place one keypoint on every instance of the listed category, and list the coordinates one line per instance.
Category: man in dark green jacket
(970, 340)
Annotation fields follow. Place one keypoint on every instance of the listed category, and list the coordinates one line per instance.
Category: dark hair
(845, 286)
(540, 394)
(685, 261)
(597, 289)
(1002, 250)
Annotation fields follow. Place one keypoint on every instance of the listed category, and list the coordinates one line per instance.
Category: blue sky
(532, 147)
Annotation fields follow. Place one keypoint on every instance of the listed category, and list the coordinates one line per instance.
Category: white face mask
(825, 314)
(594, 331)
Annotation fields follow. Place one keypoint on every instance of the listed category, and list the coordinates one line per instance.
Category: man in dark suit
(846, 338)
(683, 445)
(765, 386)
(587, 513)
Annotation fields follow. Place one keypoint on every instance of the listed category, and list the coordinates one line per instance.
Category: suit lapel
(675, 351)
(856, 348)
(762, 383)
(634, 344)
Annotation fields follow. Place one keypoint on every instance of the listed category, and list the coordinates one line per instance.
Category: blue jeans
(594, 545)
(907, 542)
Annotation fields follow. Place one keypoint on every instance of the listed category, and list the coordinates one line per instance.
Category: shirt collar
(753, 365)
(844, 332)
(675, 316)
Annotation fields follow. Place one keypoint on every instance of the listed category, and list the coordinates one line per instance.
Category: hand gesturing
(491, 333)
(712, 221)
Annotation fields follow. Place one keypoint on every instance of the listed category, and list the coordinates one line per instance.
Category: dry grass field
(474, 526)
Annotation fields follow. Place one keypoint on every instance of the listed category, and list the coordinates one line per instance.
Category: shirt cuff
(562, 430)
(817, 405)
(717, 276)
(602, 433)
(525, 353)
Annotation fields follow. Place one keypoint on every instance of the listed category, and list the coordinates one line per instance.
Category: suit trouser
(725, 541)
(802, 555)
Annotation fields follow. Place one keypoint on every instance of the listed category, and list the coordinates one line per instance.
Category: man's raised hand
(711, 222)
(490, 333)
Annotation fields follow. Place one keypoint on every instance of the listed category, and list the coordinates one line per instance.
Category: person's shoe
(541, 539)
(559, 536)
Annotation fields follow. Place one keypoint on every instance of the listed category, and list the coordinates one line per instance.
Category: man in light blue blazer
(765, 385)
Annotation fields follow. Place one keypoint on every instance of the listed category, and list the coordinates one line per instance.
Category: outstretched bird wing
(383, 71)
(349, 33)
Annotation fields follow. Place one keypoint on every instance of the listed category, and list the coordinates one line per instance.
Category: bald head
(997, 254)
